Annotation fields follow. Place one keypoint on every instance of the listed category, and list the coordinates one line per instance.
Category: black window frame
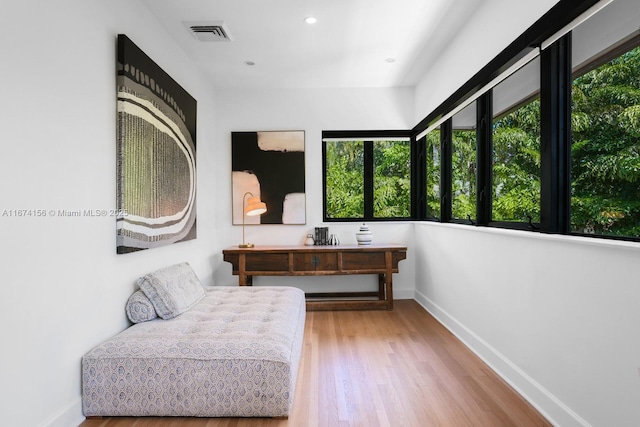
(555, 133)
(368, 137)
(554, 201)
(555, 138)
(449, 141)
(518, 225)
(612, 52)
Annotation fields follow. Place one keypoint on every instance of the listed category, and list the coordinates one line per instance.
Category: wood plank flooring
(381, 368)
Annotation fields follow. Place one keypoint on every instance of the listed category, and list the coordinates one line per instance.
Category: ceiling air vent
(209, 31)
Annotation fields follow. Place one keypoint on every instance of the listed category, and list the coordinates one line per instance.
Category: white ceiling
(347, 47)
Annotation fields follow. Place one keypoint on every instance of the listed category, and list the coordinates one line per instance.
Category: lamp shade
(255, 207)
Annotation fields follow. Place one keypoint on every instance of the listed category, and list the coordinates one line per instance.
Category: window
(516, 147)
(391, 179)
(432, 155)
(366, 177)
(605, 120)
(344, 179)
(463, 164)
(544, 137)
(552, 141)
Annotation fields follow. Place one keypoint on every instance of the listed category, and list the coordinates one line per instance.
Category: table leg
(242, 277)
(389, 279)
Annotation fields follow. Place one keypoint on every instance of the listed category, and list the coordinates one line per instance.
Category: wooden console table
(323, 261)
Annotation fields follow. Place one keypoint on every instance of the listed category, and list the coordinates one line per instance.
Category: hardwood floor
(381, 368)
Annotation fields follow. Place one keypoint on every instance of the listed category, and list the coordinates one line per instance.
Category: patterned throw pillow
(139, 308)
(172, 290)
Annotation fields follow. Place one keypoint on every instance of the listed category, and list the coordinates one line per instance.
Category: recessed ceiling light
(249, 63)
(310, 20)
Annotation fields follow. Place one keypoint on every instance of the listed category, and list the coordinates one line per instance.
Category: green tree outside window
(345, 179)
(463, 174)
(516, 165)
(392, 179)
(433, 155)
(605, 150)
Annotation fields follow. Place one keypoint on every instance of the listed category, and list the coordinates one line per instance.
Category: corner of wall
(69, 416)
(542, 399)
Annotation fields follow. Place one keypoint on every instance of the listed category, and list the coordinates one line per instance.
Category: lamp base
(246, 245)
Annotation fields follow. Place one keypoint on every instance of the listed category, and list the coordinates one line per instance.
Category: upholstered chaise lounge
(223, 351)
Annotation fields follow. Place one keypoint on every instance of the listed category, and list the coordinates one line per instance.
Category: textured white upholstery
(172, 290)
(235, 353)
(139, 308)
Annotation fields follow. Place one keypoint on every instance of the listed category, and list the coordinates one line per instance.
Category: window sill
(578, 240)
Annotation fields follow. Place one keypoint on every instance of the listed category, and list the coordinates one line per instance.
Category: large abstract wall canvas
(156, 154)
(269, 165)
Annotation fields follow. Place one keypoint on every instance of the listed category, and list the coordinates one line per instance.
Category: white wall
(64, 287)
(311, 110)
(494, 25)
(556, 316)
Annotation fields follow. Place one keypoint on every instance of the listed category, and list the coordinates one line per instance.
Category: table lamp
(253, 206)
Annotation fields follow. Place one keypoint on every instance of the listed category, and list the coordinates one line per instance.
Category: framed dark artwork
(269, 165)
(156, 154)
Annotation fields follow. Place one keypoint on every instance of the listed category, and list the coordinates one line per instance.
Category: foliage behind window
(463, 172)
(516, 165)
(392, 179)
(354, 193)
(605, 148)
(345, 179)
(433, 155)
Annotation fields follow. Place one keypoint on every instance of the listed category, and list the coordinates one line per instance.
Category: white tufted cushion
(172, 290)
(139, 308)
(236, 353)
